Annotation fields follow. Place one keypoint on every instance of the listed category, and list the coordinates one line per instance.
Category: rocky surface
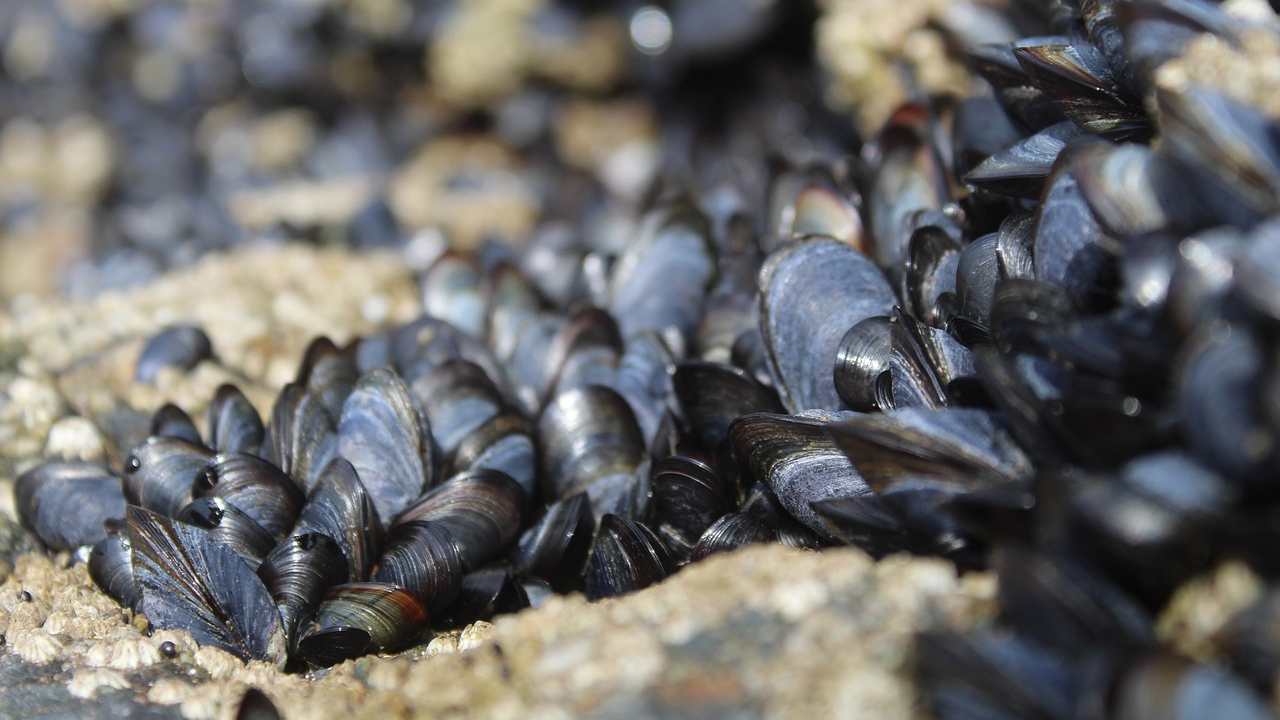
(766, 632)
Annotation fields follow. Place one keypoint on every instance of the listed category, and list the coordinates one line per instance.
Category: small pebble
(24, 596)
(168, 649)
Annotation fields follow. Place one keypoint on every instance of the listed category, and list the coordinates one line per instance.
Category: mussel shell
(358, 618)
(301, 439)
(537, 590)
(424, 558)
(556, 547)
(615, 450)
(811, 293)
(643, 378)
(731, 532)
(256, 487)
(181, 347)
(482, 508)
(1020, 170)
(111, 568)
(1071, 249)
(386, 438)
(932, 259)
(862, 359)
(452, 290)
(1077, 78)
(688, 496)
(191, 583)
(713, 395)
(426, 342)
(340, 509)
(172, 421)
(66, 503)
(504, 443)
(160, 474)
(796, 458)
(487, 593)
(255, 705)
(234, 424)
(625, 556)
(458, 397)
(229, 525)
(329, 373)
(298, 572)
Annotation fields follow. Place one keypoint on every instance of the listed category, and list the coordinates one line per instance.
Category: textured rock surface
(767, 632)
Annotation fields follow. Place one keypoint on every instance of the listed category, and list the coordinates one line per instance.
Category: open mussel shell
(811, 293)
(963, 446)
(298, 572)
(160, 474)
(358, 618)
(483, 509)
(504, 443)
(329, 373)
(555, 548)
(191, 583)
(688, 496)
(458, 397)
(181, 347)
(796, 458)
(625, 556)
(424, 558)
(731, 532)
(387, 440)
(111, 567)
(606, 466)
(256, 487)
(302, 438)
(713, 395)
(487, 593)
(661, 279)
(340, 509)
(66, 503)
(172, 421)
(229, 525)
(234, 424)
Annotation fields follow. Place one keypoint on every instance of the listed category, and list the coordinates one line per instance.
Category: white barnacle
(87, 681)
(36, 646)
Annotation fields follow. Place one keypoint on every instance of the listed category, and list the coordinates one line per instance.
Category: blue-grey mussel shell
(160, 474)
(298, 572)
(385, 436)
(731, 532)
(688, 496)
(302, 437)
(111, 567)
(607, 466)
(625, 556)
(191, 583)
(340, 508)
(234, 424)
(358, 618)
(713, 395)
(483, 510)
(504, 443)
(172, 421)
(329, 373)
(182, 347)
(256, 487)
(458, 397)
(66, 503)
(229, 525)
(555, 548)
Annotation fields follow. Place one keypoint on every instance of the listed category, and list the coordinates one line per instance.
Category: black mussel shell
(731, 532)
(862, 364)
(606, 466)
(811, 293)
(66, 503)
(111, 567)
(555, 548)
(487, 593)
(329, 373)
(191, 583)
(229, 525)
(255, 705)
(385, 436)
(234, 424)
(256, 487)
(1077, 79)
(932, 259)
(713, 395)
(182, 347)
(302, 438)
(172, 421)
(1021, 169)
(358, 618)
(482, 508)
(340, 509)
(688, 496)
(298, 572)
(160, 474)
(796, 458)
(625, 556)
(418, 346)
(993, 674)
(424, 558)
(458, 397)
(1071, 250)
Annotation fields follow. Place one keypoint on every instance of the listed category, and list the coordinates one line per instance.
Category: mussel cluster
(1031, 330)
